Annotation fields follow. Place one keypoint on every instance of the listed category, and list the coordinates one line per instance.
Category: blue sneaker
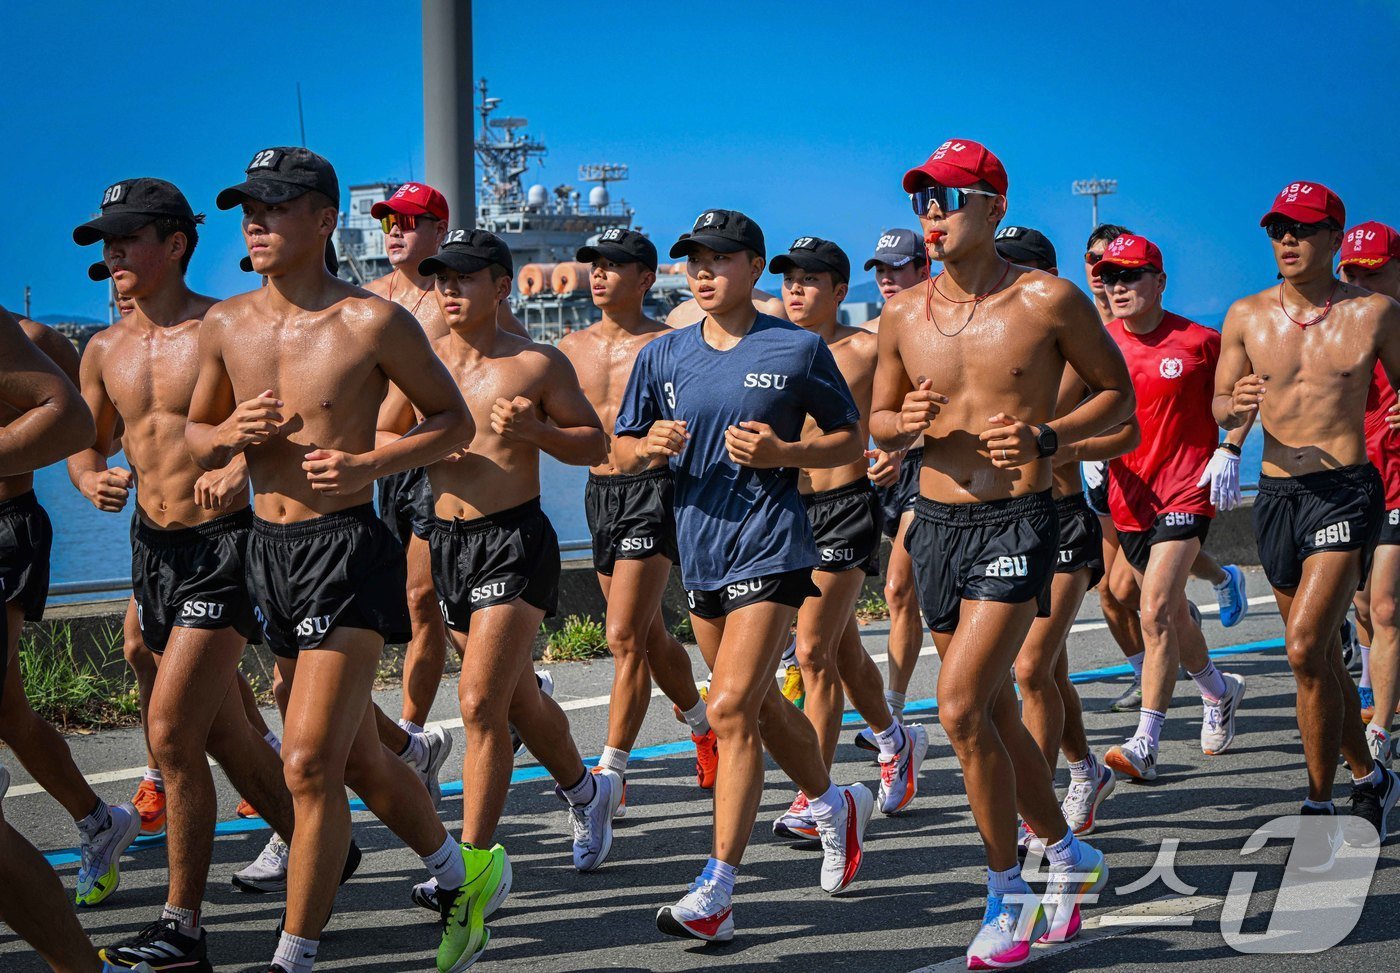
(1368, 702)
(1009, 927)
(1230, 593)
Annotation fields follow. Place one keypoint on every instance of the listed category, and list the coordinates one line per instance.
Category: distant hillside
(66, 319)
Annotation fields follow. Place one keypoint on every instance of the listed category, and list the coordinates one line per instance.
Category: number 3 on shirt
(670, 395)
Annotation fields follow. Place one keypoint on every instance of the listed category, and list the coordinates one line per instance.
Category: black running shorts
(1001, 550)
(340, 570)
(1081, 538)
(1170, 526)
(26, 541)
(790, 588)
(193, 577)
(897, 500)
(631, 517)
(494, 560)
(1390, 528)
(846, 525)
(406, 503)
(1331, 510)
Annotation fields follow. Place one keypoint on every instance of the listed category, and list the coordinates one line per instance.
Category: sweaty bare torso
(324, 366)
(854, 350)
(1004, 359)
(494, 474)
(603, 356)
(1316, 379)
(62, 353)
(149, 374)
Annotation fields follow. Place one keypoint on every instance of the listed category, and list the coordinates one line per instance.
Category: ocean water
(93, 546)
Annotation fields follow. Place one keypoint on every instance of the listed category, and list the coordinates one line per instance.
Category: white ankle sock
(273, 741)
(1365, 667)
(446, 865)
(891, 741)
(154, 776)
(187, 919)
(827, 806)
(582, 792)
(410, 727)
(697, 718)
(614, 760)
(1150, 724)
(295, 953)
(895, 701)
(1086, 769)
(1136, 662)
(1210, 682)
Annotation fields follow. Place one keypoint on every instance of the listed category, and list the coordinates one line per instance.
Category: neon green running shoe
(464, 932)
(99, 872)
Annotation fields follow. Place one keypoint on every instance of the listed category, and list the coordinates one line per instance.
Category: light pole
(1095, 188)
(447, 105)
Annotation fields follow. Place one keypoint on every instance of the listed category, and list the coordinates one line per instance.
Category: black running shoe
(1372, 804)
(161, 946)
(1315, 848)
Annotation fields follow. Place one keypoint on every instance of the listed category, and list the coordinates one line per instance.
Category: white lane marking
(1171, 911)
(589, 702)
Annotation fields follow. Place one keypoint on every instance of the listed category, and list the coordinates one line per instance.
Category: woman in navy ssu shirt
(725, 399)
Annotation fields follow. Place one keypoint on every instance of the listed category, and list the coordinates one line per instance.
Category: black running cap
(281, 174)
(621, 246)
(813, 253)
(131, 204)
(898, 247)
(723, 231)
(467, 251)
(332, 261)
(1021, 244)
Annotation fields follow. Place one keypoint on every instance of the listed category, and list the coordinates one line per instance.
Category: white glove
(1093, 473)
(1223, 475)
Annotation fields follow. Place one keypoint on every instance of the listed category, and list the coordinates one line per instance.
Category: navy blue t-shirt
(736, 523)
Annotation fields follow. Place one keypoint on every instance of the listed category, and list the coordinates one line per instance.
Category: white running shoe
(437, 744)
(1082, 800)
(1136, 758)
(546, 680)
(1218, 719)
(591, 823)
(99, 872)
(796, 822)
(1028, 842)
(1010, 925)
(704, 912)
(1380, 744)
(843, 841)
(899, 772)
(268, 872)
(1068, 885)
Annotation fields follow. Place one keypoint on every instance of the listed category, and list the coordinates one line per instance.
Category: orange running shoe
(150, 802)
(706, 759)
(246, 810)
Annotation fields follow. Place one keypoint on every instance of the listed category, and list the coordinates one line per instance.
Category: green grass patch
(683, 631)
(576, 639)
(871, 608)
(72, 688)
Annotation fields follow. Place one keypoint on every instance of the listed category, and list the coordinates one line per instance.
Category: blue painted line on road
(535, 772)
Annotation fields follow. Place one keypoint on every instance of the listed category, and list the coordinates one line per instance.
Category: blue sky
(804, 115)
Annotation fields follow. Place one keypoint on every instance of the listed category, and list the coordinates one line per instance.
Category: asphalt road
(919, 895)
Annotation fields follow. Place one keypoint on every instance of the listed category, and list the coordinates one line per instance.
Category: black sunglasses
(1279, 229)
(1124, 275)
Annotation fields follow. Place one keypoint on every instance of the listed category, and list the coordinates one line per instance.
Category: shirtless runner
(631, 516)
(26, 539)
(985, 533)
(1370, 258)
(188, 538)
(1301, 354)
(43, 421)
(496, 557)
(1050, 705)
(900, 261)
(845, 515)
(724, 402)
(291, 375)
